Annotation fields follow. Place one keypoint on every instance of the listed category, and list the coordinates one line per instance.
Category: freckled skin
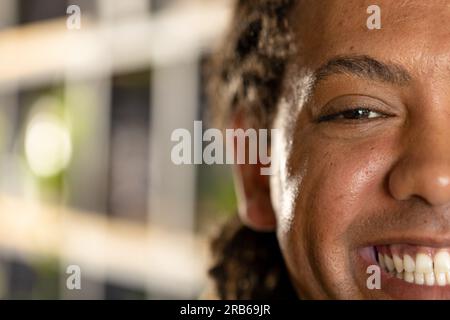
(354, 172)
(368, 182)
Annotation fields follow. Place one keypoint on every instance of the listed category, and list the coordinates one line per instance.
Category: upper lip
(433, 242)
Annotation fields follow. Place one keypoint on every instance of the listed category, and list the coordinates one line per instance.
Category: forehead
(411, 30)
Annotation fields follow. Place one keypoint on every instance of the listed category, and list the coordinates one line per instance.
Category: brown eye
(352, 114)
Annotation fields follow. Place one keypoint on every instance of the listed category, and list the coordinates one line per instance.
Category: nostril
(428, 187)
(421, 199)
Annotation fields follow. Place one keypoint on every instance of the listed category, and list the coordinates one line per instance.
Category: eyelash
(354, 114)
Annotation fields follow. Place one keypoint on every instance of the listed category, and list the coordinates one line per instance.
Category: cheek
(338, 189)
(334, 184)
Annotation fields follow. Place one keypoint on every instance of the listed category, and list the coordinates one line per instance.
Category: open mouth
(425, 266)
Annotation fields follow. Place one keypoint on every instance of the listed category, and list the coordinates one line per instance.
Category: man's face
(365, 168)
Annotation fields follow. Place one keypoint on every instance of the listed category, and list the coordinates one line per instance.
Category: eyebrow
(365, 67)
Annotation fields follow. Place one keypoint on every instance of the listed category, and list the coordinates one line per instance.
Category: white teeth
(440, 279)
(381, 261)
(408, 263)
(419, 278)
(425, 269)
(442, 262)
(409, 277)
(429, 278)
(398, 262)
(441, 267)
(424, 264)
(389, 263)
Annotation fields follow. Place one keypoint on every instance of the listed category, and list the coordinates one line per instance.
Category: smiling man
(362, 168)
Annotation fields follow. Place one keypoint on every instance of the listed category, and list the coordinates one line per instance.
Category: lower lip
(397, 288)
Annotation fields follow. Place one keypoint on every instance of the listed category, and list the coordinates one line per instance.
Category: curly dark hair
(247, 75)
(249, 265)
(248, 70)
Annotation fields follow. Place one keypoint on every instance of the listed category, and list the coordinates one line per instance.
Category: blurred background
(85, 171)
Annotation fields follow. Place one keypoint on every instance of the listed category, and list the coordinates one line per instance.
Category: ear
(252, 189)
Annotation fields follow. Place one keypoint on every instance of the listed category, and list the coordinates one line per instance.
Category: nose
(423, 169)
